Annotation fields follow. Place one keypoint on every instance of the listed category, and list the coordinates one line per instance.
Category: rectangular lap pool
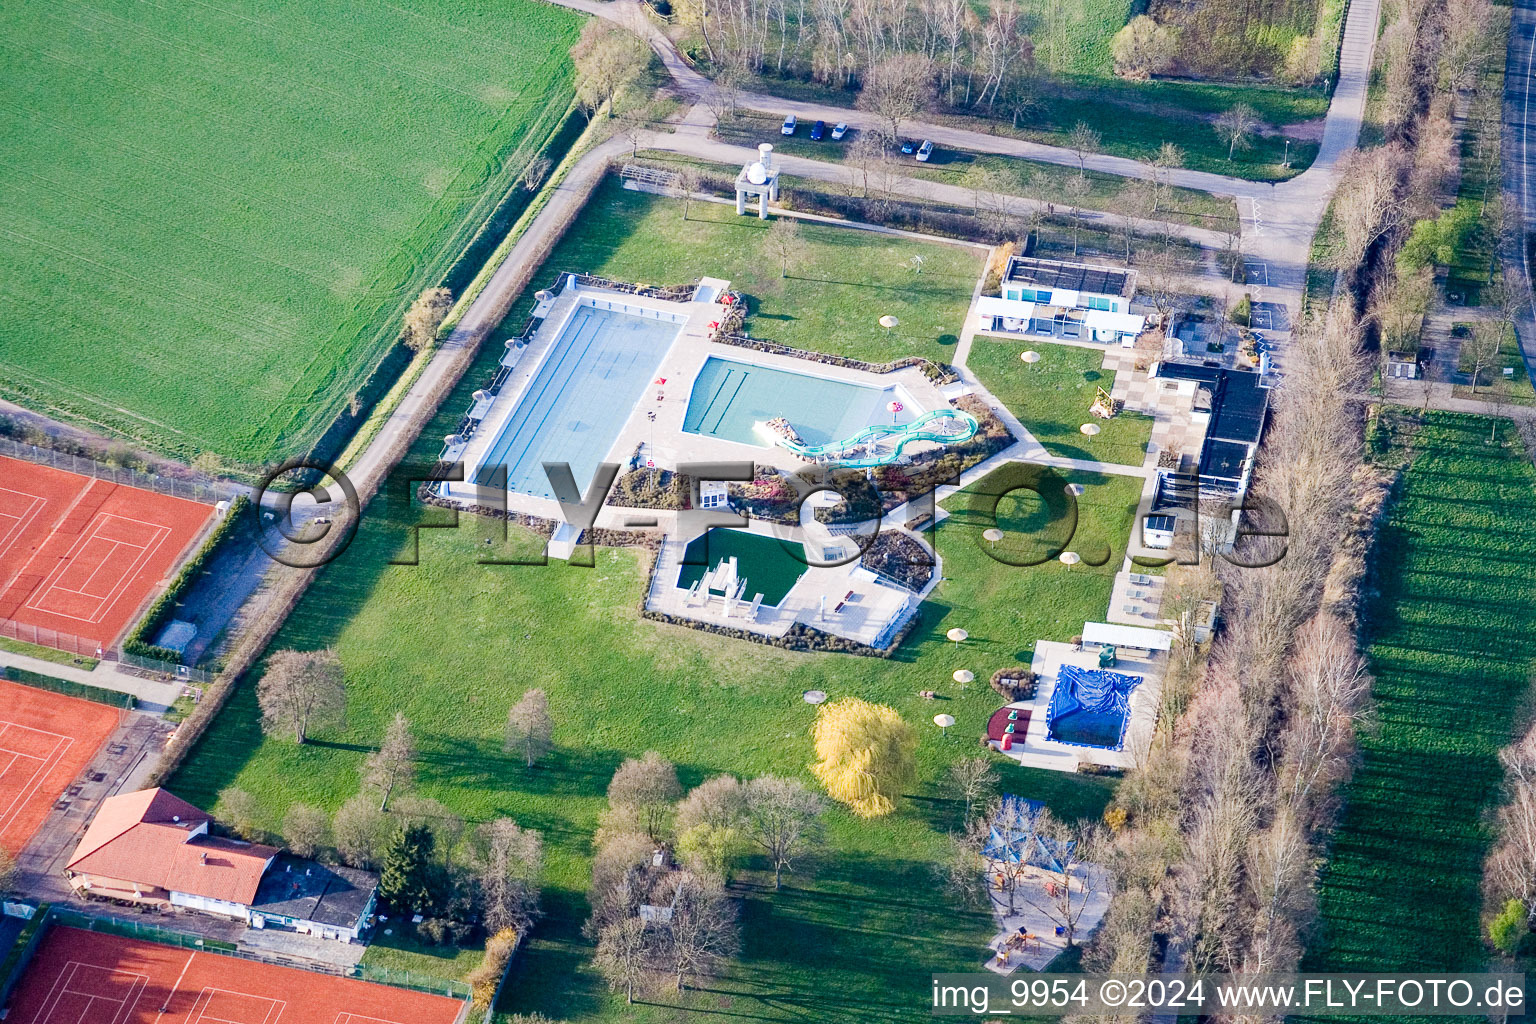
(730, 399)
(580, 397)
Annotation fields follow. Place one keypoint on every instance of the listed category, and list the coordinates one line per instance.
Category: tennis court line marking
(274, 1011)
(348, 1017)
(35, 504)
(9, 815)
(103, 603)
(61, 989)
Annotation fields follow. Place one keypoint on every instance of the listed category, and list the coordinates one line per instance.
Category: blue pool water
(578, 400)
(730, 398)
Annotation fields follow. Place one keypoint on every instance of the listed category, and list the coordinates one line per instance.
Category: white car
(789, 125)
(925, 151)
(839, 130)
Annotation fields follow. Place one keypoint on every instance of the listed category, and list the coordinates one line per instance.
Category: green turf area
(42, 653)
(1492, 385)
(1018, 177)
(1072, 36)
(832, 299)
(770, 566)
(1052, 398)
(213, 216)
(1452, 644)
(452, 644)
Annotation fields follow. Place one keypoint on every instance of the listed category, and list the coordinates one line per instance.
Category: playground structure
(880, 444)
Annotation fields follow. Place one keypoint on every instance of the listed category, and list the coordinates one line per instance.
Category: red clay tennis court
(80, 977)
(80, 555)
(46, 740)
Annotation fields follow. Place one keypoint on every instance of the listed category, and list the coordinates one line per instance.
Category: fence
(43, 637)
(393, 977)
(169, 669)
(20, 953)
(191, 490)
(70, 688)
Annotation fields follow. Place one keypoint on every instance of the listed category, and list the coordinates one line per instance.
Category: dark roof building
(1076, 277)
(298, 892)
(1237, 403)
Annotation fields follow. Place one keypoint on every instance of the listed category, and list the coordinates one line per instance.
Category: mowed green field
(212, 214)
(1452, 646)
(453, 644)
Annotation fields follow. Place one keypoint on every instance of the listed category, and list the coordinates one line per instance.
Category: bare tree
(306, 829)
(643, 791)
(530, 728)
(626, 950)
(702, 932)
(1367, 204)
(1075, 190)
(608, 60)
(393, 765)
(1169, 159)
(1082, 140)
(972, 777)
(784, 819)
(896, 89)
(424, 317)
(1078, 850)
(509, 863)
(785, 244)
(1484, 346)
(361, 832)
(300, 691)
(1236, 127)
(632, 126)
(687, 186)
(1510, 869)
(1139, 199)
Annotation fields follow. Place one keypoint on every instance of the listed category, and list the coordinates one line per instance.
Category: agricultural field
(843, 937)
(214, 216)
(1052, 398)
(1452, 646)
(831, 300)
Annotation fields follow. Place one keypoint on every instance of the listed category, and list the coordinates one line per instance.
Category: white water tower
(760, 178)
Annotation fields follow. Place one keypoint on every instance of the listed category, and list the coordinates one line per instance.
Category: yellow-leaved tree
(866, 755)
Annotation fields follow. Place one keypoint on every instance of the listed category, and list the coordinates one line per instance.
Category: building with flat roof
(1232, 405)
(1058, 299)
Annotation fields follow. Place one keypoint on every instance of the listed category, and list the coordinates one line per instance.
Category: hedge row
(69, 688)
(137, 642)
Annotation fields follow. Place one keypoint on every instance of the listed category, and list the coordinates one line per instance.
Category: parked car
(789, 125)
(908, 147)
(925, 151)
(839, 130)
(818, 130)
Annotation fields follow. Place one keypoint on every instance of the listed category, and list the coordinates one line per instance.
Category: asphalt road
(1520, 158)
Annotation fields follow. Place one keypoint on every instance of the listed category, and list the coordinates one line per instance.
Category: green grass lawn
(1072, 36)
(453, 644)
(1024, 177)
(1452, 644)
(831, 300)
(1052, 398)
(213, 216)
(1492, 384)
(52, 654)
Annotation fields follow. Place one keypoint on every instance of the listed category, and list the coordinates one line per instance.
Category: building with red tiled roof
(154, 847)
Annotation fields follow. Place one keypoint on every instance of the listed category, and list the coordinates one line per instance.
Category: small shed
(1138, 638)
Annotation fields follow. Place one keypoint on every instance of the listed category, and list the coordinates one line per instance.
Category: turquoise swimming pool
(729, 399)
(579, 398)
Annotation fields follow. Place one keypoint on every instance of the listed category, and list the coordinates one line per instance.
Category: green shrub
(1242, 313)
(1509, 927)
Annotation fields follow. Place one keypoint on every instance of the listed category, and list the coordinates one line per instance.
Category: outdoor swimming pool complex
(730, 399)
(580, 396)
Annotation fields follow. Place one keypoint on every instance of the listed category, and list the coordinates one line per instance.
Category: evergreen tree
(408, 881)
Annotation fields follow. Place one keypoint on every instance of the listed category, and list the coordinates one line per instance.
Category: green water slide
(882, 444)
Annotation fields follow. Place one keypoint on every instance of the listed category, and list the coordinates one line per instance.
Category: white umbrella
(963, 675)
(944, 722)
(1070, 558)
(1074, 489)
(1089, 429)
(815, 696)
(1030, 356)
(993, 534)
(889, 322)
(957, 634)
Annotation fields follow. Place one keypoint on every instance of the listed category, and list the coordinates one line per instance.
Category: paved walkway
(153, 694)
(1278, 220)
